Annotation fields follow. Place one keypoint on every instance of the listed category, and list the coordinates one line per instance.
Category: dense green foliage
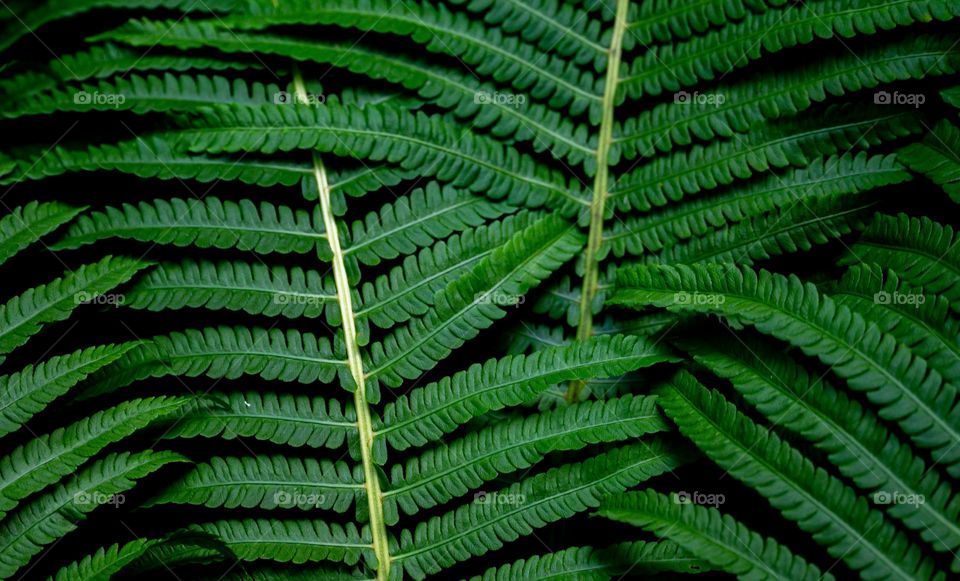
(486, 289)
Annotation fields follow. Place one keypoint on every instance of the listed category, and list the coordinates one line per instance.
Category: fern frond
(468, 305)
(427, 413)
(45, 459)
(130, 558)
(589, 564)
(448, 87)
(279, 418)
(225, 352)
(917, 319)
(417, 220)
(46, 12)
(267, 482)
(873, 362)
(105, 562)
(462, 465)
(153, 156)
(180, 548)
(922, 252)
(102, 61)
(144, 94)
(672, 178)
(209, 223)
(508, 59)
(28, 224)
(703, 58)
(254, 288)
(786, 93)
(705, 532)
(486, 524)
(855, 440)
(292, 541)
(416, 141)
(819, 503)
(660, 21)
(24, 315)
(409, 290)
(834, 175)
(936, 157)
(30, 390)
(554, 27)
(794, 229)
(56, 513)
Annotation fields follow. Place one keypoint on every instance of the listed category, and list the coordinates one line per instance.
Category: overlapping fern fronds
(403, 286)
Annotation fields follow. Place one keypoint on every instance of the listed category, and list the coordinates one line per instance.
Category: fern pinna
(424, 289)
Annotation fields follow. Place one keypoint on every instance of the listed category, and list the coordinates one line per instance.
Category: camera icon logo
(82, 98)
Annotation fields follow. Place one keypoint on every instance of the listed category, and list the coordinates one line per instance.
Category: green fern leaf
(296, 541)
(27, 224)
(921, 251)
(835, 175)
(468, 305)
(855, 439)
(589, 564)
(872, 362)
(55, 514)
(409, 290)
(820, 504)
(717, 538)
(45, 459)
(416, 221)
(936, 158)
(462, 465)
(225, 352)
(210, 223)
(917, 319)
(427, 413)
(253, 288)
(286, 419)
(267, 482)
(24, 315)
(480, 527)
(30, 390)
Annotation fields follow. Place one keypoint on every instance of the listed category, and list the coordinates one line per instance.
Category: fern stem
(378, 526)
(595, 239)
